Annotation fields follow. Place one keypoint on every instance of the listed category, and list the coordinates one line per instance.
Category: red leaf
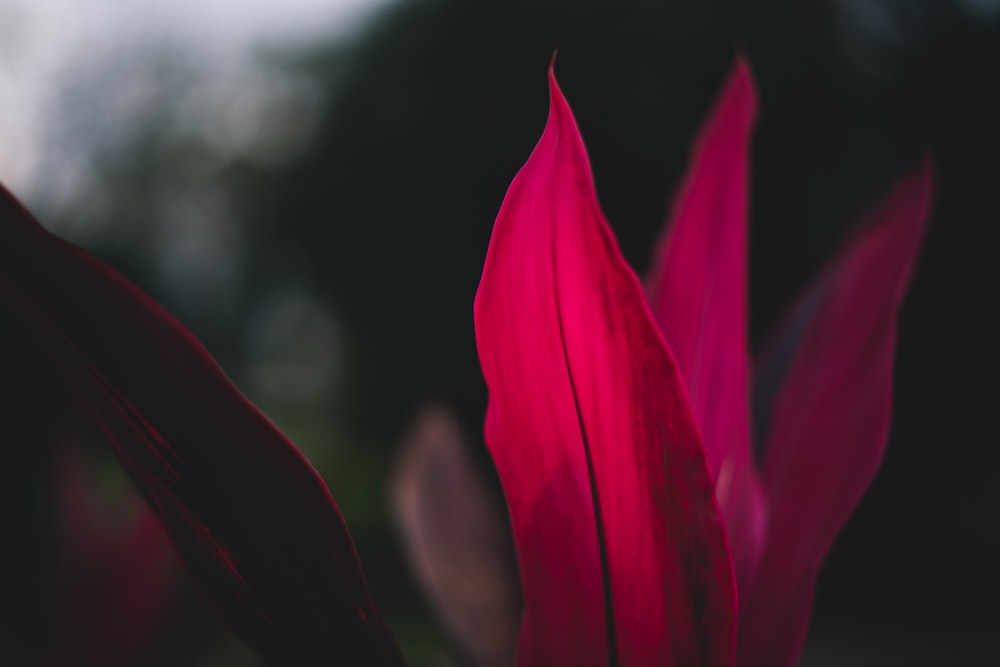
(829, 370)
(252, 521)
(120, 563)
(698, 294)
(622, 553)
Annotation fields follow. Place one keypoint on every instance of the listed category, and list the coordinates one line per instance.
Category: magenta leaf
(821, 394)
(622, 553)
(250, 518)
(824, 395)
(698, 294)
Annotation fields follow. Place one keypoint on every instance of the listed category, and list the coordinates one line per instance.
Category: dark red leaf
(120, 565)
(622, 552)
(252, 521)
(825, 391)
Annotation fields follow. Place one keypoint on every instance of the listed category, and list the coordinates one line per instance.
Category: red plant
(622, 457)
(624, 466)
(820, 392)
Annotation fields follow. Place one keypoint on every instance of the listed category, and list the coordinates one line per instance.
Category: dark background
(384, 215)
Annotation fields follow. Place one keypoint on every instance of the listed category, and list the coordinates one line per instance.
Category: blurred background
(309, 185)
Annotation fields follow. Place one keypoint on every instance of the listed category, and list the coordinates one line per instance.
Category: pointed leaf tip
(590, 430)
(698, 294)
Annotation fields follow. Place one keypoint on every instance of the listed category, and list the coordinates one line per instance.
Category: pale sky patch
(42, 41)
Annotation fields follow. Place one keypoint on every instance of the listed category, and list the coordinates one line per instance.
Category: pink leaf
(622, 553)
(698, 294)
(458, 540)
(252, 521)
(825, 395)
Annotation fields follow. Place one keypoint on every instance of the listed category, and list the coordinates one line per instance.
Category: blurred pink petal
(457, 539)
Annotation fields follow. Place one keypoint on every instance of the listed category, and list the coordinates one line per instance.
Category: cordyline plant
(648, 531)
(620, 512)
